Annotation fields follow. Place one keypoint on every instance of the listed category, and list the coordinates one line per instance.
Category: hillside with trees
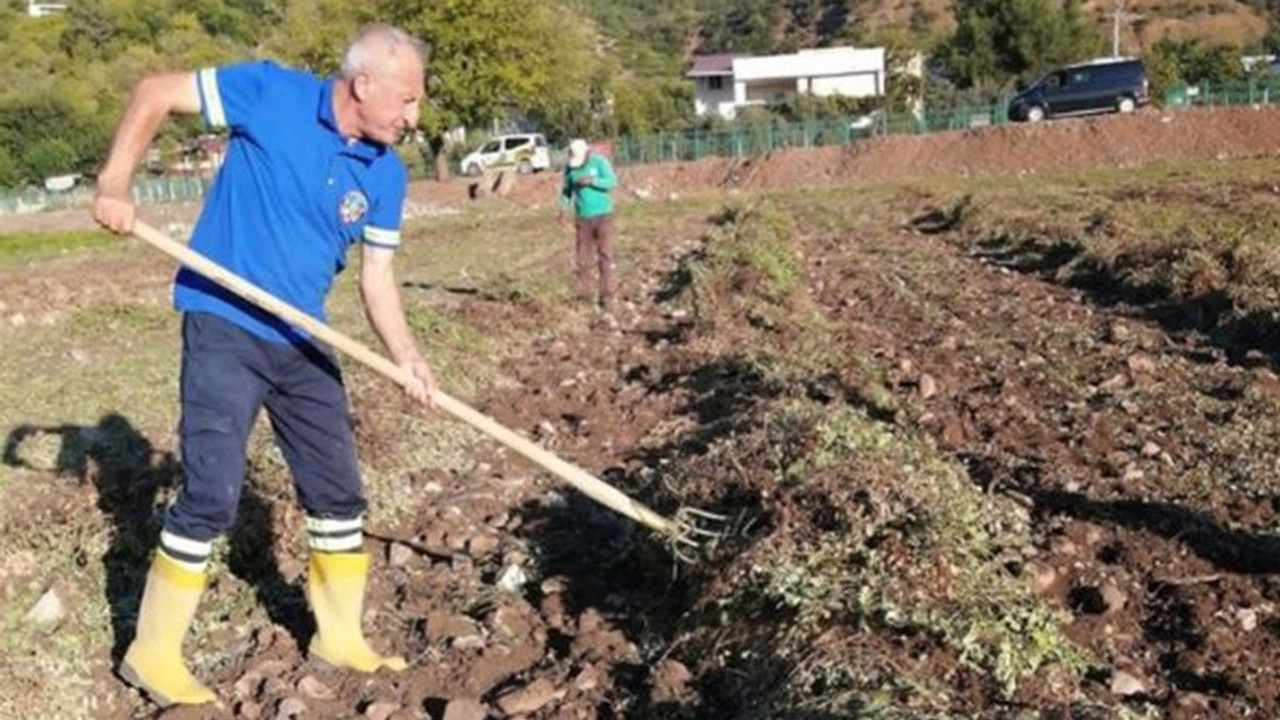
(596, 67)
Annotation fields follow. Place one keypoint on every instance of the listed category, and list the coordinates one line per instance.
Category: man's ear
(360, 87)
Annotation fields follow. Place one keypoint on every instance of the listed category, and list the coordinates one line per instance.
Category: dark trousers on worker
(228, 375)
(594, 250)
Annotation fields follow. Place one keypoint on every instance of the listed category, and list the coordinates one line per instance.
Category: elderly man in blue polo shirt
(308, 173)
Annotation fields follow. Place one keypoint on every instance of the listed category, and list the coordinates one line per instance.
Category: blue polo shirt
(292, 196)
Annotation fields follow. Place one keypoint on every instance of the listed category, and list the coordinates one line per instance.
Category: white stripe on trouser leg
(346, 543)
(190, 554)
(330, 535)
(330, 525)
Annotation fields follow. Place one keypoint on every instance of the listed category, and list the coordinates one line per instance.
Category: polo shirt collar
(361, 148)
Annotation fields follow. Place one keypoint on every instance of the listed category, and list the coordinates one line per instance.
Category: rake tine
(688, 534)
(687, 519)
(686, 550)
(701, 531)
(683, 556)
(684, 539)
(702, 514)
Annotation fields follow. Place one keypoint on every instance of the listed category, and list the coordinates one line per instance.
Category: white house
(41, 9)
(725, 83)
(1251, 61)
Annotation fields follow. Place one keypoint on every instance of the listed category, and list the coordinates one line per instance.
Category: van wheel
(525, 167)
(473, 170)
(1126, 105)
(1035, 113)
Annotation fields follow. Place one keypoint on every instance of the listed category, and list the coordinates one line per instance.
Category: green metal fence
(741, 140)
(146, 191)
(746, 140)
(1263, 91)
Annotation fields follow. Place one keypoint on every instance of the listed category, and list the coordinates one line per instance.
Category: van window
(490, 147)
(516, 142)
(1078, 77)
(1123, 70)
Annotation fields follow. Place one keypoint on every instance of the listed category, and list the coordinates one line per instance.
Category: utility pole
(1118, 15)
(1115, 28)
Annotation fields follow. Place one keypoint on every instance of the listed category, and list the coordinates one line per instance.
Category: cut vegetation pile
(868, 573)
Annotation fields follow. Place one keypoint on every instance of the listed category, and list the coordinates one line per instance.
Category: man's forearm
(385, 310)
(153, 100)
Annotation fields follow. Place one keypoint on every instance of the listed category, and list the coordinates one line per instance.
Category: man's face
(388, 100)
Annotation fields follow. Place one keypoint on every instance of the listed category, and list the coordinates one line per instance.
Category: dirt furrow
(1117, 433)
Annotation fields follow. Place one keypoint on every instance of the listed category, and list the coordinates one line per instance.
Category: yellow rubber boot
(154, 662)
(335, 587)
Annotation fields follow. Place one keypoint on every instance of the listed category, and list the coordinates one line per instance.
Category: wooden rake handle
(585, 482)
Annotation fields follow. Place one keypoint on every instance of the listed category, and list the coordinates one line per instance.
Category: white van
(526, 153)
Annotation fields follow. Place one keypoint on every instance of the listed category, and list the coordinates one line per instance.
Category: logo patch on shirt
(353, 207)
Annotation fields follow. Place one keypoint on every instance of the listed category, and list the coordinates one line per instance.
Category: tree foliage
(568, 67)
(492, 61)
(492, 58)
(1173, 62)
(10, 171)
(998, 40)
(49, 135)
(51, 156)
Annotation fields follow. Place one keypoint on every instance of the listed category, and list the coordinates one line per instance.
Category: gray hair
(374, 45)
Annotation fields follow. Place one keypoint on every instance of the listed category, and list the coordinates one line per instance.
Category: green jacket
(591, 200)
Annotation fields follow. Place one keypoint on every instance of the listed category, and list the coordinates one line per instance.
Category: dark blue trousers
(228, 375)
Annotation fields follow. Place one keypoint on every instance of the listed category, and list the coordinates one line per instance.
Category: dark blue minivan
(1112, 84)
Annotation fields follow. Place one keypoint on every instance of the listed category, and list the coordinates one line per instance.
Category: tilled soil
(1141, 450)
(1113, 430)
(1118, 433)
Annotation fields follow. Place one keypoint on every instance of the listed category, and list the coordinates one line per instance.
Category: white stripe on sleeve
(378, 237)
(213, 112)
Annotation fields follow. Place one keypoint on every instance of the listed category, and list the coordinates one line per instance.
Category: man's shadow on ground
(132, 480)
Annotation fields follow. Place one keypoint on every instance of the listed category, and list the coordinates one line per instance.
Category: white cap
(577, 152)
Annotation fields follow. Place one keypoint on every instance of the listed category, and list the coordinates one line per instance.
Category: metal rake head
(694, 529)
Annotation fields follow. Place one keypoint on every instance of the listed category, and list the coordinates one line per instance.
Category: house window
(715, 82)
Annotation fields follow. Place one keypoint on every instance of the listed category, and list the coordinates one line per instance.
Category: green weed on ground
(927, 528)
(28, 246)
(749, 266)
(747, 274)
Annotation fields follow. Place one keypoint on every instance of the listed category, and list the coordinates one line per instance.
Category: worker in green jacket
(588, 187)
